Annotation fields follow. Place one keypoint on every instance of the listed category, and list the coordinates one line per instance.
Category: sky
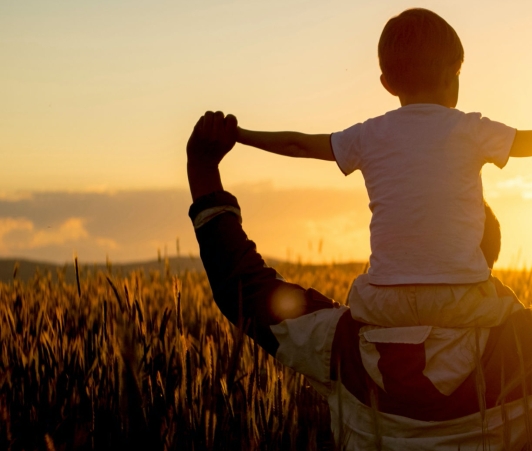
(97, 100)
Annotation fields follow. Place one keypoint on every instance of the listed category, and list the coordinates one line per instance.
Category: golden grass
(147, 360)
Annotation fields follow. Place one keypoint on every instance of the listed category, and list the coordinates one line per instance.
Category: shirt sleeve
(494, 140)
(346, 148)
(305, 344)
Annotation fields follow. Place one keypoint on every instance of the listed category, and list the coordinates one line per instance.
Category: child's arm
(522, 146)
(290, 144)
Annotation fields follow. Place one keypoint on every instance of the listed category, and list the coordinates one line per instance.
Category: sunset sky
(97, 99)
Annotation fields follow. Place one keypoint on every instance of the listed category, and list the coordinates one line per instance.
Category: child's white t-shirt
(422, 168)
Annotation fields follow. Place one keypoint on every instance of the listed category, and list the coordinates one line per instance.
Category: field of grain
(147, 361)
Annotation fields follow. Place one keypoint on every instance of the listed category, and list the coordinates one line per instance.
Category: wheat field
(147, 361)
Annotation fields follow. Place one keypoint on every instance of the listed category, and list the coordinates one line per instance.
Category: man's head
(419, 52)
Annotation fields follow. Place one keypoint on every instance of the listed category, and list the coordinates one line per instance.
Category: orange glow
(103, 98)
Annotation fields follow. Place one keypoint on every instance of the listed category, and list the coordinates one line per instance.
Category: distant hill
(26, 269)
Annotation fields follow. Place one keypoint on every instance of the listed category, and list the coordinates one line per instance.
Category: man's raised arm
(244, 288)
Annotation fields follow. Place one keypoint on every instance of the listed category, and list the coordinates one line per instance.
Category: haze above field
(97, 100)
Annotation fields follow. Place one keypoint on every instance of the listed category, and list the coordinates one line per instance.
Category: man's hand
(214, 135)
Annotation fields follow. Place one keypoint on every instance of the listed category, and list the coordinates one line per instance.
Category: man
(388, 388)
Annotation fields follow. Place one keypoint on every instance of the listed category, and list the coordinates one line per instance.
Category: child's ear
(457, 67)
(452, 71)
(387, 86)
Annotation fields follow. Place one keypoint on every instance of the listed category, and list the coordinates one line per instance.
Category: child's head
(418, 51)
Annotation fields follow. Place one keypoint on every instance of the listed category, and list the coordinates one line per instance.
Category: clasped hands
(214, 135)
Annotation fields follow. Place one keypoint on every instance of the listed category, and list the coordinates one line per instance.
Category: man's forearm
(203, 180)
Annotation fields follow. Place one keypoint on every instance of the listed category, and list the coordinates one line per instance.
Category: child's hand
(214, 135)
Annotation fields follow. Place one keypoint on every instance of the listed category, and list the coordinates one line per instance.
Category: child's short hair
(415, 48)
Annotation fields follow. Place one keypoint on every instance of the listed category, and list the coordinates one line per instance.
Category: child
(422, 168)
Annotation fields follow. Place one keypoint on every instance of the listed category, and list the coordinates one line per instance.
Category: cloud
(20, 235)
(311, 225)
(135, 225)
(70, 230)
(307, 224)
(516, 186)
(10, 226)
(14, 196)
(518, 182)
